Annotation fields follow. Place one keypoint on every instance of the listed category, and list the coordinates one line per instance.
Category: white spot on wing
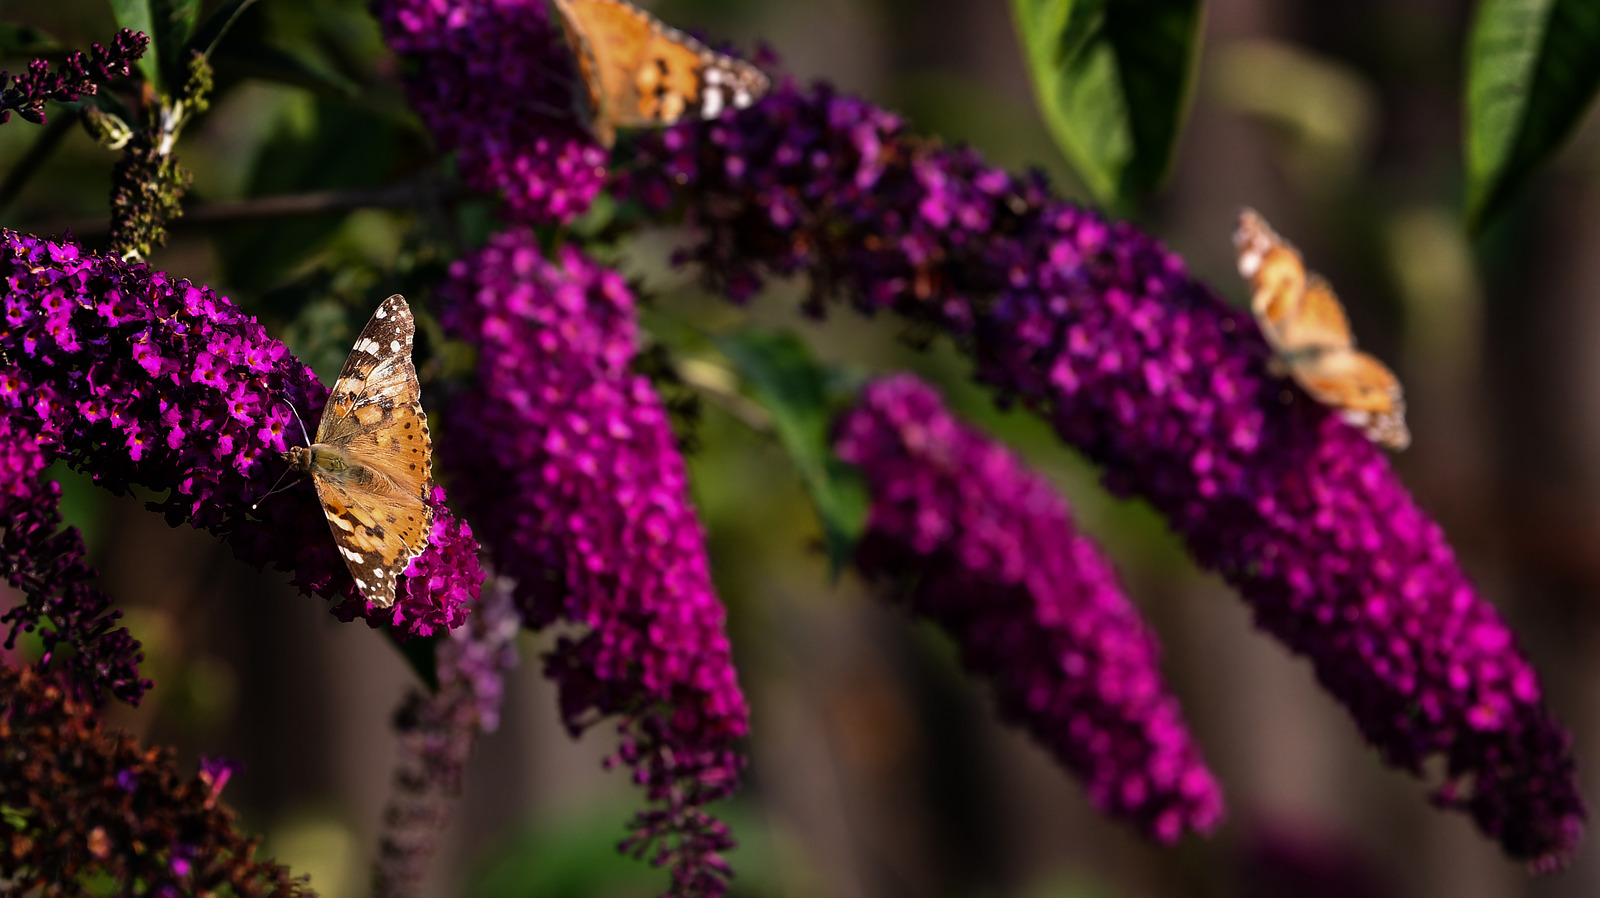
(711, 101)
(394, 345)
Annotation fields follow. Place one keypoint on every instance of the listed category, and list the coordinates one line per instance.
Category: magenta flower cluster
(567, 460)
(138, 379)
(989, 552)
(1100, 330)
(45, 563)
(79, 75)
(493, 82)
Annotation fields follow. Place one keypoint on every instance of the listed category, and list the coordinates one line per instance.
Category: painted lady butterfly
(639, 72)
(372, 462)
(1306, 326)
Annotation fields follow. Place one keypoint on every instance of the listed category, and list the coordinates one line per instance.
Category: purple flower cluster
(988, 550)
(492, 81)
(437, 733)
(1100, 329)
(585, 499)
(46, 564)
(139, 379)
(79, 75)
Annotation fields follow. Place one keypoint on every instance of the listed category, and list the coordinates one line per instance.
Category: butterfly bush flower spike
(45, 563)
(437, 732)
(567, 460)
(1102, 331)
(80, 74)
(994, 558)
(136, 378)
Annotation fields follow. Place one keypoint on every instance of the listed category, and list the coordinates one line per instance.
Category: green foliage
(1533, 67)
(578, 859)
(217, 25)
(23, 40)
(1114, 79)
(420, 654)
(793, 388)
(315, 144)
(139, 15)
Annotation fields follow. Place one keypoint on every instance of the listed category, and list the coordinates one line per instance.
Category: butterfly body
(372, 459)
(638, 72)
(1305, 324)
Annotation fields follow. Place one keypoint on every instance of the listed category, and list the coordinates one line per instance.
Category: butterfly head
(318, 458)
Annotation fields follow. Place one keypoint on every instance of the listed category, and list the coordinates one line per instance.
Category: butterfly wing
(1363, 388)
(1318, 322)
(376, 502)
(640, 73)
(1276, 274)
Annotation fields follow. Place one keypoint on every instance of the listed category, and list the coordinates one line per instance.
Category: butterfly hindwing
(638, 72)
(1305, 324)
(372, 462)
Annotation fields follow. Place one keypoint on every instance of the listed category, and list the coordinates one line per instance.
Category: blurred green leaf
(317, 144)
(217, 24)
(1114, 79)
(421, 653)
(270, 63)
(14, 817)
(578, 858)
(1533, 67)
(140, 15)
(792, 387)
(25, 40)
(175, 20)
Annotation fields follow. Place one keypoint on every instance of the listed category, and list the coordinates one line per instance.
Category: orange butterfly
(1306, 326)
(641, 73)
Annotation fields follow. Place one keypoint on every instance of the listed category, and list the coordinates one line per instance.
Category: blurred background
(877, 768)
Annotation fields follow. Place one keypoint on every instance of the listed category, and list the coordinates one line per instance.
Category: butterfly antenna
(303, 431)
(274, 491)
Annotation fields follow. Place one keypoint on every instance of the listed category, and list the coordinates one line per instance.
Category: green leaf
(139, 15)
(14, 817)
(420, 654)
(174, 20)
(1533, 67)
(216, 26)
(25, 40)
(792, 387)
(1114, 79)
(270, 63)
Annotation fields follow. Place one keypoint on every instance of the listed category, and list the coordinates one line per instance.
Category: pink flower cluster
(988, 550)
(567, 460)
(138, 379)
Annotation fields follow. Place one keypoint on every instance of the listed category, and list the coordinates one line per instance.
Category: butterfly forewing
(375, 494)
(640, 73)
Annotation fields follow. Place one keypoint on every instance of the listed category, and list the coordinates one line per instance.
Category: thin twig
(38, 151)
(417, 193)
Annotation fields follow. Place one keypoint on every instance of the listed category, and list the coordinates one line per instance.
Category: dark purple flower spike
(1099, 329)
(137, 379)
(80, 74)
(971, 539)
(45, 563)
(96, 805)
